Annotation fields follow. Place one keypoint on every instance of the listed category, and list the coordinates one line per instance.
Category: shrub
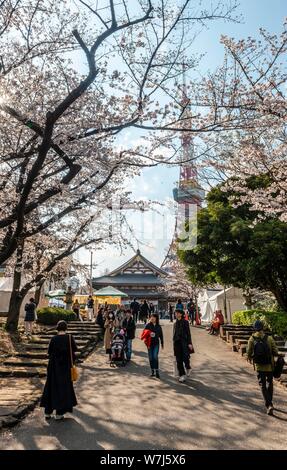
(276, 321)
(51, 315)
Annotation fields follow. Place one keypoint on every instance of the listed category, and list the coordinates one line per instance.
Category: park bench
(226, 329)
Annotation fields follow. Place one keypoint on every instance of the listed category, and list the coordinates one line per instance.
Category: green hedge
(276, 321)
(51, 315)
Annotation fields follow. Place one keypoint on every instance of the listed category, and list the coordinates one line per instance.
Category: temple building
(138, 278)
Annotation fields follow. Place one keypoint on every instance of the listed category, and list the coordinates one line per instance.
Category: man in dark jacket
(90, 308)
(135, 307)
(144, 311)
(182, 344)
(130, 328)
(191, 310)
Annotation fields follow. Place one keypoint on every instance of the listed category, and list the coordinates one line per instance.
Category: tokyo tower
(187, 193)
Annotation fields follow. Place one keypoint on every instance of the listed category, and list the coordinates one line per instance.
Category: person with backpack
(261, 350)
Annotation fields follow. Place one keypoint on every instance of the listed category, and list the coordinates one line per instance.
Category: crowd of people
(120, 329)
(59, 394)
(190, 309)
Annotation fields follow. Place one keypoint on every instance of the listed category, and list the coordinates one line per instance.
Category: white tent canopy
(210, 303)
(6, 285)
(204, 305)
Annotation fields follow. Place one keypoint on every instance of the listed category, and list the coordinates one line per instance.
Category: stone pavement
(219, 408)
(20, 374)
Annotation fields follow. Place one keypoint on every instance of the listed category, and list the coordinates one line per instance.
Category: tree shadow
(219, 407)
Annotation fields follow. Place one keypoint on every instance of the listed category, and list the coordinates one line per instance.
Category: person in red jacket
(146, 337)
(156, 336)
(216, 322)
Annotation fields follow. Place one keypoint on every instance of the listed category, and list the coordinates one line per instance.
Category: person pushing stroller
(118, 349)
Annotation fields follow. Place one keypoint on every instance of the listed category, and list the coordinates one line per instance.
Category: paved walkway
(219, 408)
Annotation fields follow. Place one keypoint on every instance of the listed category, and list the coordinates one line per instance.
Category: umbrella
(109, 292)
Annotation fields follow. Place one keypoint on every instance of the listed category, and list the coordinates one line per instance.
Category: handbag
(278, 367)
(74, 370)
(191, 351)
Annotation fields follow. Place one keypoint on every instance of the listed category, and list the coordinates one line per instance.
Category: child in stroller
(118, 349)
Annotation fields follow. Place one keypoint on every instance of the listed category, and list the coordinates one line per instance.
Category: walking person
(170, 313)
(100, 317)
(59, 392)
(30, 316)
(135, 308)
(261, 350)
(110, 326)
(191, 310)
(129, 326)
(179, 305)
(76, 309)
(144, 311)
(156, 336)
(90, 308)
(182, 345)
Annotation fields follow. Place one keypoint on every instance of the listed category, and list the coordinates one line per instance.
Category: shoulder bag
(74, 370)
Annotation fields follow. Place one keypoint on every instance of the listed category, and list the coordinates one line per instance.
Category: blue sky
(157, 183)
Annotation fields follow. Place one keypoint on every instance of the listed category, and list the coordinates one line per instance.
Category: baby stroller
(118, 347)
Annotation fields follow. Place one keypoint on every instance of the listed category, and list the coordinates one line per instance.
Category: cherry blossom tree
(177, 283)
(249, 91)
(60, 123)
(48, 253)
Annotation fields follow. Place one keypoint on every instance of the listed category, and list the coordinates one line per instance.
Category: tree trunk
(281, 297)
(225, 305)
(14, 311)
(38, 292)
(16, 295)
(248, 299)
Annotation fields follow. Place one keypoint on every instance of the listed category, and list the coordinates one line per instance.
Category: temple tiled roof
(129, 279)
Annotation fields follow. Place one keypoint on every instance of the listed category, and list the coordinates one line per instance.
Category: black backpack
(261, 353)
(278, 368)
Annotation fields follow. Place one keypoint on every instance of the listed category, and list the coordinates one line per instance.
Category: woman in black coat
(59, 392)
(30, 316)
(100, 318)
(182, 344)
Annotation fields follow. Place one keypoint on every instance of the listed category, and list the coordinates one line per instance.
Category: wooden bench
(228, 328)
